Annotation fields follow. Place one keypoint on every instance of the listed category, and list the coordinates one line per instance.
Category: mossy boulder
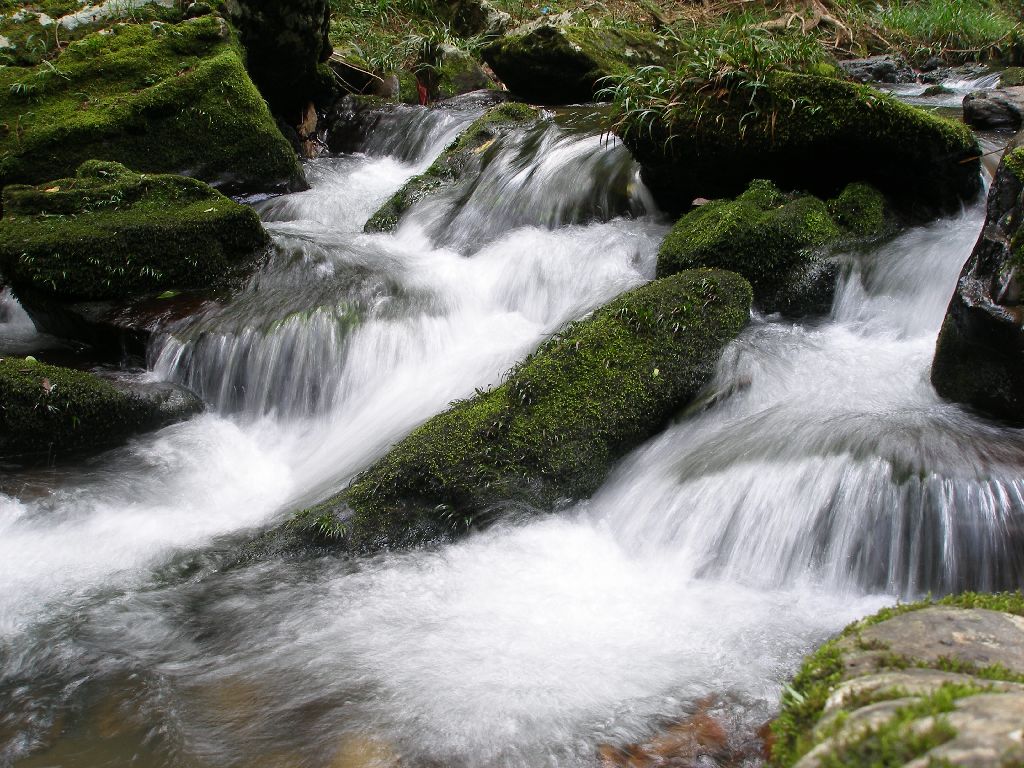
(46, 410)
(780, 243)
(545, 64)
(552, 430)
(285, 41)
(804, 132)
(920, 684)
(979, 357)
(447, 72)
(457, 160)
(160, 98)
(112, 233)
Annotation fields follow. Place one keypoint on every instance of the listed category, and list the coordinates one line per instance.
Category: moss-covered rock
(447, 71)
(458, 159)
(111, 233)
(285, 41)
(561, 65)
(979, 357)
(161, 98)
(552, 430)
(778, 242)
(942, 683)
(46, 410)
(804, 132)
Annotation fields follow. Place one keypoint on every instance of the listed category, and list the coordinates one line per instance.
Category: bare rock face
(979, 358)
(930, 685)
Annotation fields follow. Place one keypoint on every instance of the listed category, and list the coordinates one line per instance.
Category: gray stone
(878, 69)
(995, 109)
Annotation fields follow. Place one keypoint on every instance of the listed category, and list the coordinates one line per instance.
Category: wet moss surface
(453, 163)
(770, 238)
(552, 430)
(111, 233)
(47, 410)
(171, 98)
(806, 132)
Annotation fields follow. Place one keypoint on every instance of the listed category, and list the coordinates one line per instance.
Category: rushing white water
(819, 479)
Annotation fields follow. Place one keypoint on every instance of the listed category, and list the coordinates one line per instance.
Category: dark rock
(447, 72)
(932, 64)
(979, 358)
(472, 18)
(285, 42)
(879, 69)
(545, 64)
(553, 429)
(1011, 77)
(195, 10)
(48, 411)
(836, 133)
(1003, 108)
(963, 72)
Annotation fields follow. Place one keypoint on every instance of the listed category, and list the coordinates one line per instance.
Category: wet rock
(471, 18)
(1003, 108)
(879, 69)
(285, 41)
(836, 133)
(49, 411)
(979, 357)
(942, 74)
(460, 158)
(75, 250)
(547, 64)
(553, 429)
(694, 741)
(159, 98)
(921, 685)
(782, 244)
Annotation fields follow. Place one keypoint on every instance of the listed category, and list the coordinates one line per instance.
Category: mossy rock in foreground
(778, 242)
(562, 65)
(111, 233)
(160, 98)
(456, 161)
(934, 683)
(805, 132)
(552, 430)
(46, 410)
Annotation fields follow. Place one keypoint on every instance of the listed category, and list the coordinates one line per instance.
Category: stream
(818, 479)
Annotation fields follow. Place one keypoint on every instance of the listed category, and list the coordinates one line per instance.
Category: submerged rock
(979, 358)
(552, 430)
(161, 98)
(995, 109)
(780, 243)
(806, 132)
(47, 410)
(919, 684)
(545, 64)
(456, 160)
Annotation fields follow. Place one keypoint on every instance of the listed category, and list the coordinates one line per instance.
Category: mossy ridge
(559, 65)
(803, 132)
(765, 235)
(453, 163)
(553, 428)
(110, 233)
(803, 700)
(48, 409)
(158, 98)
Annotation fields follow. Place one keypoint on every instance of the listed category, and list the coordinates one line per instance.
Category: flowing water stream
(820, 478)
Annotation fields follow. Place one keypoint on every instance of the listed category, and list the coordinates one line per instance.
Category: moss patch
(552, 430)
(453, 163)
(768, 237)
(45, 409)
(560, 65)
(802, 132)
(159, 98)
(111, 233)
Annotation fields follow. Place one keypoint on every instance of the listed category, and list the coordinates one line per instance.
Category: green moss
(45, 409)
(450, 166)
(769, 237)
(1014, 162)
(803, 701)
(159, 98)
(109, 233)
(552, 430)
(557, 65)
